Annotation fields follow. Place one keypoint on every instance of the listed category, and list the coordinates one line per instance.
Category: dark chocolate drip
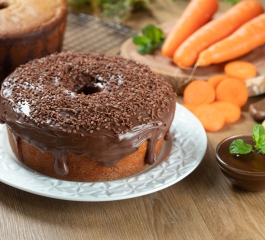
(150, 157)
(110, 164)
(19, 148)
(60, 164)
(167, 136)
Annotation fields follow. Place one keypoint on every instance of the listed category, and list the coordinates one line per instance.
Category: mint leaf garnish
(238, 146)
(153, 33)
(146, 48)
(140, 40)
(261, 149)
(258, 135)
(152, 39)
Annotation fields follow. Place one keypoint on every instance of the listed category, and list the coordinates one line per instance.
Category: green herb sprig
(152, 38)
(238, 146)
(233, 2)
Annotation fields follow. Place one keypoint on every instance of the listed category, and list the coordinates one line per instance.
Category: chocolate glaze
(60, 164)
(150, 155)
(167, 136)
(87, 104)
(19, 148)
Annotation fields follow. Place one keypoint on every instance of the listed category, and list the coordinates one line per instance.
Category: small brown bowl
(246, 171)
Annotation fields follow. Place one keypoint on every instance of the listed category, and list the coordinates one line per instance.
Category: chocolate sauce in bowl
(246, 171)
(251, 162)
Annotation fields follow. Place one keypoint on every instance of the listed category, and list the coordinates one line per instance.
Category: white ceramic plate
(179, 157)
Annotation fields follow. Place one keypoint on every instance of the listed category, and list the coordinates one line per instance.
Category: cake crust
(81, 168)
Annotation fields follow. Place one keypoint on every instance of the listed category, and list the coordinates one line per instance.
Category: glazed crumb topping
(88, 92)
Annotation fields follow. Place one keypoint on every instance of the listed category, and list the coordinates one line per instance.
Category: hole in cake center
(91, 86)
(3, 5)
(88, 89)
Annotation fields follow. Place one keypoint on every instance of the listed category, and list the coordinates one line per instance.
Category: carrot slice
(217, 29)
(211, 118)
(189, 107)
(232, 90)
(216, 79)
(248, 37)
(230, 111)
(240, 69)
(198, 92)
(190, 21)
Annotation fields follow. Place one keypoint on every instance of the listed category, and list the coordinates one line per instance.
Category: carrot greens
(233, 2)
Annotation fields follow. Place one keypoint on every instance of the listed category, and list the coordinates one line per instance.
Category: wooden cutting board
(179, 78)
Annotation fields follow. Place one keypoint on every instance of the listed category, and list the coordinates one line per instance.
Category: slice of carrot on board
(231, 111)
(240, 69)
(216, 79)
(248, 37)
(217, 29)
(232, 90)
(198, 92)
(211, 118)
(190, 20)
(189, 107)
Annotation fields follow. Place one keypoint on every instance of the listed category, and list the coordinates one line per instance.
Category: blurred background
(136, 13)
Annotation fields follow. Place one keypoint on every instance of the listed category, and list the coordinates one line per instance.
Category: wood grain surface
(201, 206)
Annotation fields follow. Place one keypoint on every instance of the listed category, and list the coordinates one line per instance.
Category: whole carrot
(216, 30)
(195, 15)
(246, 38)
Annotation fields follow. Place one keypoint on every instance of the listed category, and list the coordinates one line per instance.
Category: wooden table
(201, 206)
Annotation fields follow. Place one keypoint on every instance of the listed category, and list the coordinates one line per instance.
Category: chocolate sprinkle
(50, 89)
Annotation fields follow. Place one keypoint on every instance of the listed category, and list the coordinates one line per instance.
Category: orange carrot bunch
(190, 21)
(248, 37)
(203, 42)
(218, 100)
